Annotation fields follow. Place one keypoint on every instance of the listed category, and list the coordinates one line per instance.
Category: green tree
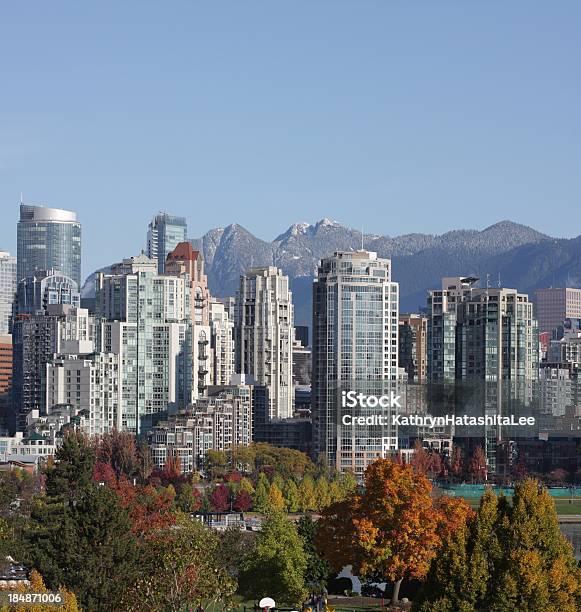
(181, 570)
(483, 548)
(277, 566)
(322, 496)
(307, 496)
(291, 495)
(348, 483)
(243, 458)
(335, 492)
(318, 570)
(511, 556)
(278, 480)
(449, 582)
(85, 544)
(72, 470)
(188, 499)
(260, 498)
(246, 485)
(235, 546)
(5, 542)
(215, 462)
(286, 462)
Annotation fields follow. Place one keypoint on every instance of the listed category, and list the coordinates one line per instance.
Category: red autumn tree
(103, 472)
(149, 509)
(233, 476)
(420, 460)
(520, 469)
(243, 501)
(558, 475)
(436, 465)
(172, 471)
(477, 466)
(456, 462)
(119, 450)
(220, 498)
(389, 531)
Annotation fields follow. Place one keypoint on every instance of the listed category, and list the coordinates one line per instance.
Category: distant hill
(523, 257)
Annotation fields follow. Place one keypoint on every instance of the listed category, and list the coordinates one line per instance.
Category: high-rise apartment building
(43, 288)
(487, 338)
(7, 289)
(354, 344)
(5, 381)
(264, 335)
(222, 344)
(165, 232)
(565, 345)
(220, 421)
(188, 264)
(302, 364)
(91, 385)
(442, 317)
(60, 328)
(480, 333)
(560, 381)
(48, 239)
(413, 350)
(554, 305)
(144, 318)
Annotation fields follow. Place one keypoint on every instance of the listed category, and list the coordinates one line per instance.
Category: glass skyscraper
(355, 334)
(165, 232)
(37, 292)
(48, 239)
(484, 342)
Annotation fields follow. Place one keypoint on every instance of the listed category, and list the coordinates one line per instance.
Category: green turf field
(564, 506)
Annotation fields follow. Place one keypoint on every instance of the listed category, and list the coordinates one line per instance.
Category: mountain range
(514, 255)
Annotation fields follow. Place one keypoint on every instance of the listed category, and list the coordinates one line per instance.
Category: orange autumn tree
(453, 514)
(390, 531)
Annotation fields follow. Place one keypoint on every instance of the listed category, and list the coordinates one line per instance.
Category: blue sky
(403, 116)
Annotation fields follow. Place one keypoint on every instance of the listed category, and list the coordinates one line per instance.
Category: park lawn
(361, 604)
(339, 604)
(564, 506)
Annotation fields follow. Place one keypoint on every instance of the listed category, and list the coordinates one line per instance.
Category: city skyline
(125, 250)
(290, 306)
(462, 117)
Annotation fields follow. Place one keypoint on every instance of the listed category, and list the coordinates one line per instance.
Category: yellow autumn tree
(275, 498)
(511, 556)
(37, 586)
(537, 569)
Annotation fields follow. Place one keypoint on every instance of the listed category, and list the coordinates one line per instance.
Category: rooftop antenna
(21, 198)
(362, 238)
(499, 282)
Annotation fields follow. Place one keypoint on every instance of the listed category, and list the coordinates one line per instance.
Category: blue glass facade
(48, 238)
(164, 234)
